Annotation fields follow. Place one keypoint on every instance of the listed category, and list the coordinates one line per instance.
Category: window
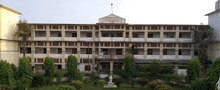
(150, 52)
(118, 51)
(89, 34)
(45, 50)
(150, 35)
(59, 50)
(180, 52)
(127, 34)
(105, 51)
(88, 51)
(165, 52)
(135, 35)
(28, 50)
(74, 51)
(119, 34)
(74, 34)
(59, 67)
(59, 34)
(87, 68)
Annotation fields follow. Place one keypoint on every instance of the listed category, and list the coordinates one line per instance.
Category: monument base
(110, 85)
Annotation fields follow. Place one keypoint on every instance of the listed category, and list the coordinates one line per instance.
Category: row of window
(107, 51)
(109, 44)
(114, 34)
(90, 27)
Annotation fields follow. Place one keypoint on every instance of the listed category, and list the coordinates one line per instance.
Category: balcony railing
(85, 38)
(184, 57)
(139, 56)
(111, 39)
(169, 57)
(153, 39)
(55, 38)
(169, 39)
(71, 38)
(138, 39)
(40, 38)
(157, 57)
(185, 39)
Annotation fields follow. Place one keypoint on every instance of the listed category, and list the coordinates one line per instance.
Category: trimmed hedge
(65, 87)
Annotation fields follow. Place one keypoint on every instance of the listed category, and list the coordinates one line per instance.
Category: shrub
(117, 81)
(212, 76)
(193, 70)
(77, 84)
(72, 68)
(59, 75)
(155, 83)
(65, 87)
(6, 73)
(155, 70)
(163, 87)
(49, 68)
(38, 80)
(101, 82)
(5, 87)
(196, 84)
(143, 81)
(94, 76)
(130, 69)
(24, 74)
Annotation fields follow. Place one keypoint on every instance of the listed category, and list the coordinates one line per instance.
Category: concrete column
(78, 33)
(161, 44)
(177, 44)
(63, 55)
(47, 32)
(111, 66)
(176, 69)
(177, 33)
(192, 51)
(32, 53)
(130, 33)
(78, 52)
(48, 49)
(63, 32)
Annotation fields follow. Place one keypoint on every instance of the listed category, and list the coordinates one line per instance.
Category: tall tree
(133, 49)
(72, 67)
(193, 70)
(202, 37)
(49, 68)
(130, 69)
(23, 33)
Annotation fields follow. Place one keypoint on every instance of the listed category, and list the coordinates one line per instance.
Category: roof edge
(5, 7)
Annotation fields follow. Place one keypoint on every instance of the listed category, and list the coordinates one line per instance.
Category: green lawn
(123, 86)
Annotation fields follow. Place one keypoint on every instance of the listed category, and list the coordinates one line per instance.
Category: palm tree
(23, 33)
(202, 37)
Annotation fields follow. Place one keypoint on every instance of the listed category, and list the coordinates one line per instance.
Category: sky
(134, 11)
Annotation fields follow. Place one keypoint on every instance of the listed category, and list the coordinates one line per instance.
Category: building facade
(8, 43)
(108, 42)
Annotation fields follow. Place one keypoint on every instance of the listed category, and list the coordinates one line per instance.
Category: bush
(59, 75)
(117, 81)
(155, 83)
(77, 84)
(38, 80)
(155, 70)
(163, 87)
(197, 84)
(212, 76)
(5, 87)
(72, 68)
(94, 76)
(65, 87)
(6, 73)
(101, 82)
(193, 70)
(24, 74)
(49, 68)
(143, 81)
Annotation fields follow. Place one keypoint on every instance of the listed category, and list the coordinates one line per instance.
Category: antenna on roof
(112, 7)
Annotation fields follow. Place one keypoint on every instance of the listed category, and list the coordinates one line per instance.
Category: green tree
(24, 74)
(130, 69)
(23, 33)
(49, 68)
(193, 70)
(212, 75)
(6, 74)
(133, 49)
(202, 38)
(155, 70)
(72, 67)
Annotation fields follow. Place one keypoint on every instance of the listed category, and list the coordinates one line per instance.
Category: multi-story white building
(107, 43)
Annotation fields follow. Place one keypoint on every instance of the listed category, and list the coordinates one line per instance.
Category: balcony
(40, 55)
(153, 39)
(139, 56)
(155, 57)
(40, 38)
(86, 56)
(111, 39)
(85, 38)
(169, 57)
(138, 39)
(185, 39)
(169, 39)
(56, 55)
(55, 38)
(184, 57)
(71, 38)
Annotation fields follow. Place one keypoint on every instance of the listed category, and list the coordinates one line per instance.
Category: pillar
(111, 67)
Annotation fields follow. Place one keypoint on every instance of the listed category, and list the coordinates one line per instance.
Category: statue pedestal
(110, 83)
